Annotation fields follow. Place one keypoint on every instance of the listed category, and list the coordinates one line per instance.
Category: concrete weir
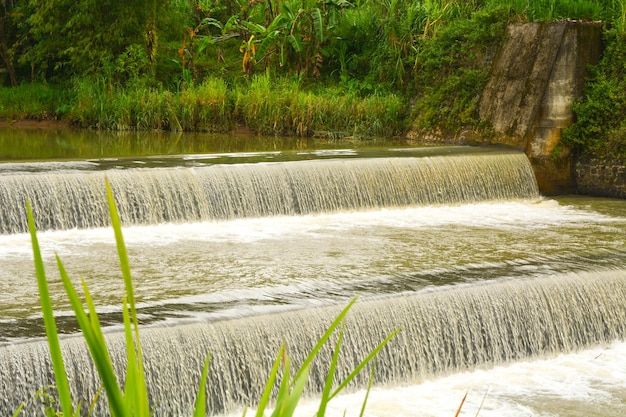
(535, 78)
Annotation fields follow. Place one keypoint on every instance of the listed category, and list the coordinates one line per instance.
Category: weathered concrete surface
(537, 75)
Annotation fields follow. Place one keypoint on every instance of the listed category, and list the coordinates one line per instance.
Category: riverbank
(435, 93)
(34, 124)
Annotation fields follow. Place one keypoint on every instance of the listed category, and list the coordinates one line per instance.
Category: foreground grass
(132, 399)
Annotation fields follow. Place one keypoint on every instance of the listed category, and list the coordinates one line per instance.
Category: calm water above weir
(455, 244)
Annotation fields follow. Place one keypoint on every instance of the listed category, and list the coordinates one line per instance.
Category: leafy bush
(453, 68)
(34, 101)
(600, 126)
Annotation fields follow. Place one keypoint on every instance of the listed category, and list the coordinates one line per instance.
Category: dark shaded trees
(7, 35)
(62, 39)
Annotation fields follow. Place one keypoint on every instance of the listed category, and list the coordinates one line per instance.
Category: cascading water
(66, 200)
(459, 251)
(443, 331)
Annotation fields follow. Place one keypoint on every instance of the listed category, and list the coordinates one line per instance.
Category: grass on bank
(34, 101)
(264, 104)
(387, 66)
(132, 398)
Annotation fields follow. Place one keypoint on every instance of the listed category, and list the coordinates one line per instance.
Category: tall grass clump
(262, 104)
(104, 105)
(266, 104)
(34, 101)
(283, 106)
(204, 107)
(93, 106)
(101, 105)
(132, 397)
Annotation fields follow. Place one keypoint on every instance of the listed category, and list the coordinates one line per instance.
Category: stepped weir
(75, 199)
(442, 331)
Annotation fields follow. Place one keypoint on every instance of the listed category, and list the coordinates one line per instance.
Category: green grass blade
(283, 390)
(363, 363)
(77, 410)
(136, 388)
(58, 366)
(330, 378)
(96, 329)
(134, 351)
(92, 332)
(369, 388)
(324, 338)
(200, 408)
(265, 398)
(121, 250)
(130, 386)
(92, 405)
(291, 402)
(19, 410)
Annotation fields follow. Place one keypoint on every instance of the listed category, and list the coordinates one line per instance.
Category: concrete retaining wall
(537, 75)
(535, 78)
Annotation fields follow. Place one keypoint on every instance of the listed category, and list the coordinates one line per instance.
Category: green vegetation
(133, 398)
(280, 67)
(34, 101)
(454, 69)
(600, 128)
(279, 106)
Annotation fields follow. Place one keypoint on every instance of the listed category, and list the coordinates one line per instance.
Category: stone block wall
(598, 177)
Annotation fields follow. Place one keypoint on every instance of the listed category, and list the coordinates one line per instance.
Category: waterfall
(76, 199)
(442, 331)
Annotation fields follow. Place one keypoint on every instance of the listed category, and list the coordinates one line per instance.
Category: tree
(295, 35)
(88, 37)
(6, 15)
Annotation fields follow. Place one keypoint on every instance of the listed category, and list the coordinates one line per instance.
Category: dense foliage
(600, 128)
(272, 64)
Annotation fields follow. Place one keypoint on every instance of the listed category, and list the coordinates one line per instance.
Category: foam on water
(66, 200)
(537, 214)
(587, 383)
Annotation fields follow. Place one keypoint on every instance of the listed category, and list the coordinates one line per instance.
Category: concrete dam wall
(538, 73)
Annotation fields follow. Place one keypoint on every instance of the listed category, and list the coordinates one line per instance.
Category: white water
(449, 330)
(590, 383)
(225, 269)
(69, 199)
(246, 266)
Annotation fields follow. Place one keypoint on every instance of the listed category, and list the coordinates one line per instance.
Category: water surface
(220, 270)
